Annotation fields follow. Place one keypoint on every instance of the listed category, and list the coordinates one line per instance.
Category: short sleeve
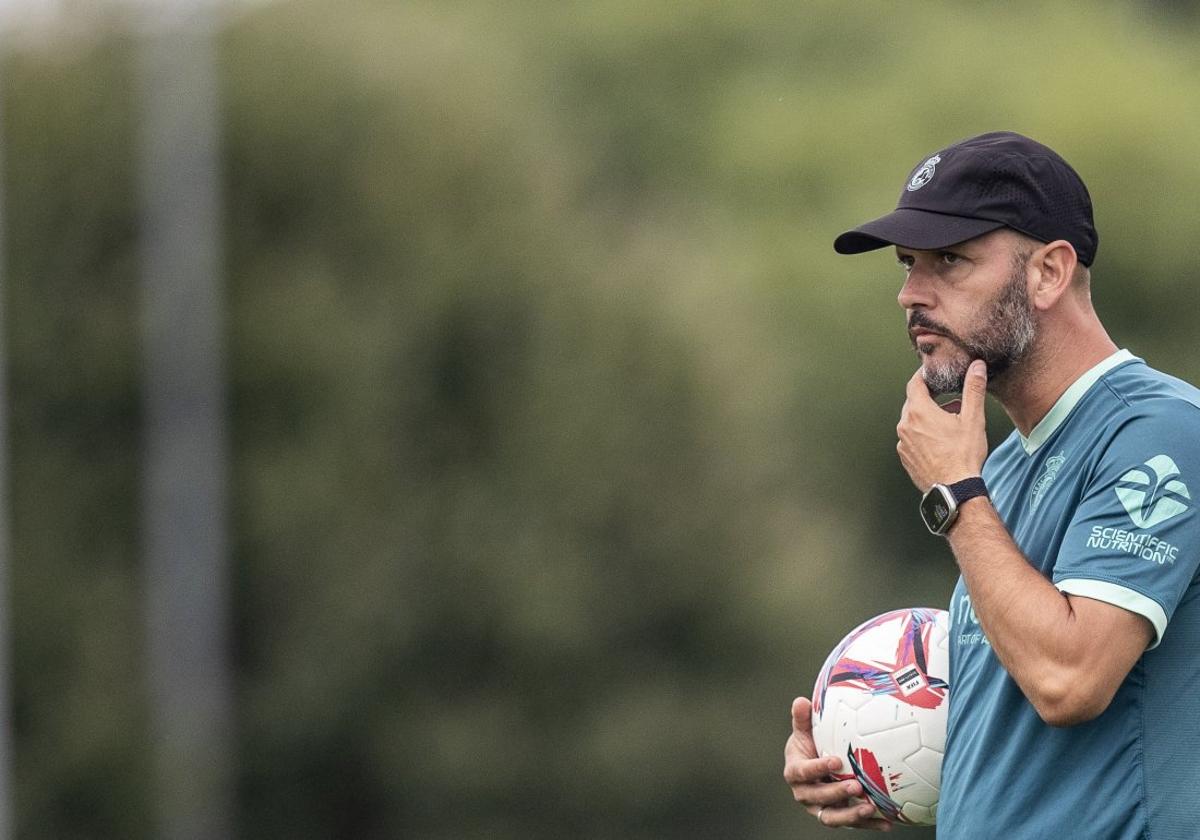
(1134, 540)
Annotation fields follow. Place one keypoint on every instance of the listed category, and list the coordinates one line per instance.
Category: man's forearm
(1030, 624)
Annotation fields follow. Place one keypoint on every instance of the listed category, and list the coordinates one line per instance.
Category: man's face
(966, 302)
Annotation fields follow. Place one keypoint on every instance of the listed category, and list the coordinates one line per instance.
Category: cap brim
(921, 230)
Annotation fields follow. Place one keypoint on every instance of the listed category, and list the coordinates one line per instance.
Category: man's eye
(950, 258)
(905, 263)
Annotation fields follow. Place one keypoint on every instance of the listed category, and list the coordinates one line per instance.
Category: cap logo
(923, 175)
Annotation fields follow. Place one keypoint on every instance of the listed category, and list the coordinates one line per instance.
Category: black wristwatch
(939, 506)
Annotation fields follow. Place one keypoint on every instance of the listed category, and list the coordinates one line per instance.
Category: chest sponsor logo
(1049, 472)
(1153, 493)
(965, 622)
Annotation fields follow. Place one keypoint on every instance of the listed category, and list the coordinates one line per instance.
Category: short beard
(1005, 338)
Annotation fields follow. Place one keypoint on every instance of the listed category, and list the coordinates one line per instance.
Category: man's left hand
(937, 447)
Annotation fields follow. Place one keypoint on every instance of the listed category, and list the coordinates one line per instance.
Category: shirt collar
(1054, 418)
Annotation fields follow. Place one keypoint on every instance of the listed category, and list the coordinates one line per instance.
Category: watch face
(937, 509)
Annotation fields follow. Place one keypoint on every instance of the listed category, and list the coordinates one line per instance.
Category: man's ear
(1052, 268)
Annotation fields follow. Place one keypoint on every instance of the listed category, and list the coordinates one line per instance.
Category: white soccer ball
(880, 705)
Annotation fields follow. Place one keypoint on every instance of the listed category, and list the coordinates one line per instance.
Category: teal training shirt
(1099, 499)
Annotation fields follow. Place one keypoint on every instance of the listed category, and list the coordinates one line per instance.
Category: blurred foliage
(563, 443)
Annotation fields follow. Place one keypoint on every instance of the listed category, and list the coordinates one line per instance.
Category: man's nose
(915, 292)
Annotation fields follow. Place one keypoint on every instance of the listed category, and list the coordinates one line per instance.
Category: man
(1075, 623)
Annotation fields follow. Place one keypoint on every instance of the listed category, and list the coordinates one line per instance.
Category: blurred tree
(79, 708)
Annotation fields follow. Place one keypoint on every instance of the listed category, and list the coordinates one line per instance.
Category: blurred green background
(562, 442)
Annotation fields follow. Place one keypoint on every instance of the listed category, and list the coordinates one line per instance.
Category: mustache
(918, 319)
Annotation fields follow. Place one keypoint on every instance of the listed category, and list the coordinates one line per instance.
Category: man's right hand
(836, 804)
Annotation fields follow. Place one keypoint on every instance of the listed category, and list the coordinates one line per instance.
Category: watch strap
(968, 488)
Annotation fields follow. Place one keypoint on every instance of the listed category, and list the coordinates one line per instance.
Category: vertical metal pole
(7, 819)
(186, 448)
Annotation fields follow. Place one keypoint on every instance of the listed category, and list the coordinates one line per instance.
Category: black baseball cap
(995, 180)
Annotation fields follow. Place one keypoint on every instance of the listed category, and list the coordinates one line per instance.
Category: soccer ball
(880, 705)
